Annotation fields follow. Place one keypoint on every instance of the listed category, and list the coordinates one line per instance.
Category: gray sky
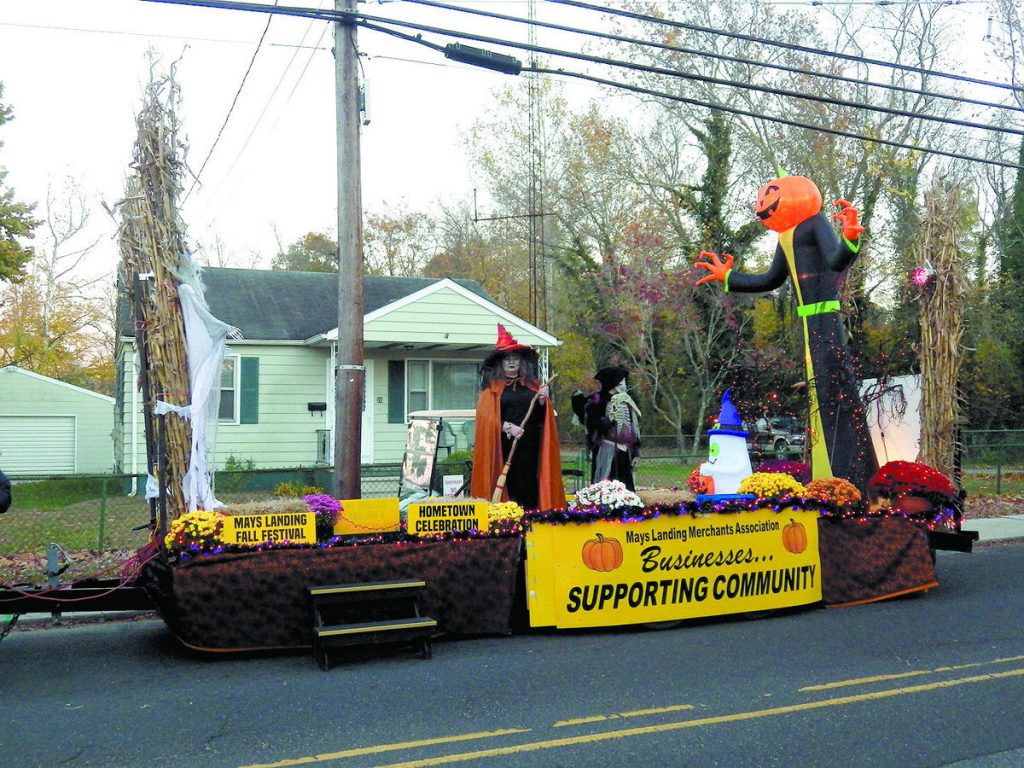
(73, 71)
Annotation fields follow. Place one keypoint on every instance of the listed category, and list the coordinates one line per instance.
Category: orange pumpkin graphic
(785, 202)
(794, 537)
(602, 554)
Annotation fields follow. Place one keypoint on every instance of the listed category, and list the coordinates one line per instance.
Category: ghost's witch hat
(729, 421)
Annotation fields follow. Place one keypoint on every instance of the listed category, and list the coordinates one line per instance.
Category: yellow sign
(367, 516)
(446, 517)
(298, 527)
(671, 567)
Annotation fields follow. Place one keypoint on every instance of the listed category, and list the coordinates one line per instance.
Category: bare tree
(397, 241)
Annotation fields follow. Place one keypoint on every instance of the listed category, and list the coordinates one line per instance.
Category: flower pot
(913, 505)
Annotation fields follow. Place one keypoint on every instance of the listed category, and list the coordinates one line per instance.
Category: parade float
(239, 579)
(837, 531)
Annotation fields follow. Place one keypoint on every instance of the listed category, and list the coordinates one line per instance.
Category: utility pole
(350, 372)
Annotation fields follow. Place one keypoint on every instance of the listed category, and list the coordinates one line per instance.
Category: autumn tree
(313, 252)
(822, 97)
(397, 242)
(53, 321)
(995, 390)
(637, 215)
(16, 222)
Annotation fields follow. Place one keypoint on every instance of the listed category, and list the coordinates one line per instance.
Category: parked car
(782, 436)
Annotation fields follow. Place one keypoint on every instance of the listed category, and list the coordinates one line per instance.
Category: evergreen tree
(15, 219)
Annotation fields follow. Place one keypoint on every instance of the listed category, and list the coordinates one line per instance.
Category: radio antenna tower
(535, 196)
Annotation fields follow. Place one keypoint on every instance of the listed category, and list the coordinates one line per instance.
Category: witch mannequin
(508, 387)
(811, 254)
(612, 421)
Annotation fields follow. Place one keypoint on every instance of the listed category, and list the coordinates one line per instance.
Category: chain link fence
(94, 520)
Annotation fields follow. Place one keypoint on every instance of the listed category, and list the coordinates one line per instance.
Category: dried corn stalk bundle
(152, 242)
(942, 325)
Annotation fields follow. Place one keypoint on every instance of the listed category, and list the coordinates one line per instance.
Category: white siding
(37, 445)
(51, 427)
(290, 377)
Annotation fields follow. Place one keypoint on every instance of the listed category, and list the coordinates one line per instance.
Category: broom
(499, 487)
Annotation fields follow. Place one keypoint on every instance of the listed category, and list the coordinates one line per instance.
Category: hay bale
(266, 507)
(663, 496)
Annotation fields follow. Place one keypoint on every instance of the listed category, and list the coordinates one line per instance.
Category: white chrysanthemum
(608, 493)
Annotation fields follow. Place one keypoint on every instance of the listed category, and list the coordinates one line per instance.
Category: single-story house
(424, 339)
(49, 427)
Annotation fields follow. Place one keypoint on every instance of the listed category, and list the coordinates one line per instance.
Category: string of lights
(715, 55)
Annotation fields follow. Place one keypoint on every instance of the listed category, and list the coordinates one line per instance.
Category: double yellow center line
(623, 733)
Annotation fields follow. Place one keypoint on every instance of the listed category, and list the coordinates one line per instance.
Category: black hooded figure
(612, 421)
(5, 492)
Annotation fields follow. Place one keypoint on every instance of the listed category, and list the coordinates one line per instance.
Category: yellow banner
(671, 567)
(428, 519)
(251, 530)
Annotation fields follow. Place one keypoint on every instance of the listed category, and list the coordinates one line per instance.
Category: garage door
(37, 445)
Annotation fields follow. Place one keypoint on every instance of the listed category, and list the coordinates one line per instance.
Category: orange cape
(487, 458)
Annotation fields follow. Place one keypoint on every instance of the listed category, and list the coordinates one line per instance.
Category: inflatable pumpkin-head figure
(787, 201)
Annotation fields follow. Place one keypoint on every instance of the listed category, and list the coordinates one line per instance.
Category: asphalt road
(932, 680)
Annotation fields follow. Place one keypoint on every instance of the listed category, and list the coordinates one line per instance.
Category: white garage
(37, 445)
(49, 427)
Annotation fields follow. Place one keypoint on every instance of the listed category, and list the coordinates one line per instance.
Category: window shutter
(250, 391)
(396, 391)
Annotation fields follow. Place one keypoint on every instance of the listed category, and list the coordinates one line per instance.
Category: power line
(341, 16)
(711, 54)
(737, 111)
(366, 20)
(125, 33)
(877, 3)
(781, 120)
(683, 75)
(287, 101)
(335, 16)
(778, 44)
(234, 101)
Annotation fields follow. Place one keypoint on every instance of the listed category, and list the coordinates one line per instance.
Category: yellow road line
(901, 675)
(864, 680)
(634, 713)
(387, 748)
(668, 727)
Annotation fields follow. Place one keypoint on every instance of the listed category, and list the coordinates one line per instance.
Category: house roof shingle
(281, 305)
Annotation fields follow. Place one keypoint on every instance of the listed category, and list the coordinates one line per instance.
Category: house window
(229, 387)
(417, 393)
(433, 385)
(454, 385)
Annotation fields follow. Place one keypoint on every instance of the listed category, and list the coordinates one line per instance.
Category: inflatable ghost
(728, 461)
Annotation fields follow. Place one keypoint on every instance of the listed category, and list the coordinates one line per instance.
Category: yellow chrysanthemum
(200, 529)
(770, 485)
(503, 510)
